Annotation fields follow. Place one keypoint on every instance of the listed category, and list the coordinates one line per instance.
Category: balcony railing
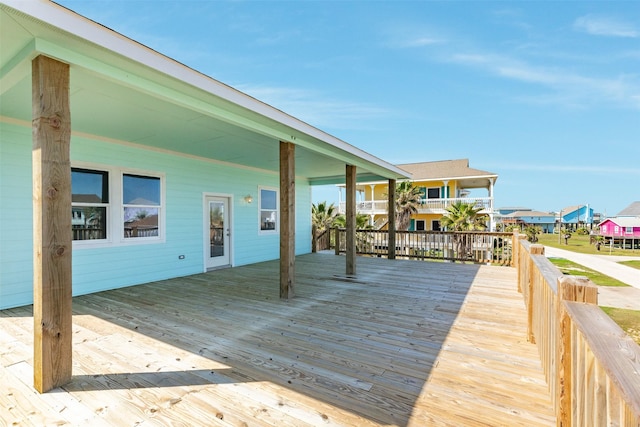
(372, 207)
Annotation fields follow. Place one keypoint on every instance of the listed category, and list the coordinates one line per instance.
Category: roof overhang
(124, 92)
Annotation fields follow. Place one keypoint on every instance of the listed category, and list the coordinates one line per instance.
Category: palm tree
(323, 215)
(362, 222)
(408, 199)
(462, 216)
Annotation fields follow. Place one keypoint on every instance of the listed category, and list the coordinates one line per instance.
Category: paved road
(607, 295)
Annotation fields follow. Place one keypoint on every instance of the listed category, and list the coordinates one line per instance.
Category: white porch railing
(380, 207)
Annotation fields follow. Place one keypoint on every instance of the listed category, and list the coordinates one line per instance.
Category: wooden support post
(314, 238)
(337, 240)
(351, 220)
(577, 289)
(535, 250)
(287, 220)
(391, 224)
(52, 239)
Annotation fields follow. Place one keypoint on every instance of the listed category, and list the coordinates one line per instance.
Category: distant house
(574, 217)
(441, 184)
(545, 220)
(624, 228)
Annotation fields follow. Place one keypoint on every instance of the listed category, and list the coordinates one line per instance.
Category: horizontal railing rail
(426, 205)
(471, 246)
(591, 365)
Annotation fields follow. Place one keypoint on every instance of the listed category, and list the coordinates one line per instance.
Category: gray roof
(632, 210)
(519, 214)
(625, 221)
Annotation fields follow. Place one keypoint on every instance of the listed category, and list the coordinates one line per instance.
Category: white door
(217, 232)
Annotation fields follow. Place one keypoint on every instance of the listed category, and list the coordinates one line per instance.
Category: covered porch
(402, 343)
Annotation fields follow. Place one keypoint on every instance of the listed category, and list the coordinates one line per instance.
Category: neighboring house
(545, 220)
(624, 228)
(574, 217)
(441, 183)
(172, 172)
(621, 227)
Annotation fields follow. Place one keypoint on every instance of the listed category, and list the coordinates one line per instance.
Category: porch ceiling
(125, 92)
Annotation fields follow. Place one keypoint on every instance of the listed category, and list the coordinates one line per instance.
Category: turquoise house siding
(16, 226)
(115, 265)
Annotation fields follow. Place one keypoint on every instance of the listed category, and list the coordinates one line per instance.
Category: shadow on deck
(402, 343)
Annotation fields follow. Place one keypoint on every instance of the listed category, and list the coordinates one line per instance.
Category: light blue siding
(186, 179)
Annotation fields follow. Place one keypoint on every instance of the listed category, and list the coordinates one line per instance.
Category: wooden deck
(405, 343)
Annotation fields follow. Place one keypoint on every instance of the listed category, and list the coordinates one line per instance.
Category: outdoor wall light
(248, 198)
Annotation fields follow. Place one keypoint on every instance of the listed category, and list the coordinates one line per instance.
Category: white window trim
(161, 237)
(277, 228)
(115, 220)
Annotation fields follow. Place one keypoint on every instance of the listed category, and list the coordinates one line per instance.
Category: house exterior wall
(110, 266)
(381, 190)
(577, 216)
(546, 223)
(610, 228)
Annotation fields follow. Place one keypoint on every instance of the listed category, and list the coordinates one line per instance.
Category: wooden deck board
(403, 343)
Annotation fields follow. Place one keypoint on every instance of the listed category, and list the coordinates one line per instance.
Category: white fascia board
(100, 35)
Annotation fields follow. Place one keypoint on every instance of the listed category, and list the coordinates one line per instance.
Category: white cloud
(605, 26)
(317, 110)
(569, 88)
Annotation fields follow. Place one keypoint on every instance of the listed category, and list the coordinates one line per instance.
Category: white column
(492, 224)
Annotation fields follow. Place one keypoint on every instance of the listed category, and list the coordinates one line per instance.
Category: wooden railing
(426, 205)
(592, 367)
(472, 246)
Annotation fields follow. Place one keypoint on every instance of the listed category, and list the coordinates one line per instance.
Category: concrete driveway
(620, 297)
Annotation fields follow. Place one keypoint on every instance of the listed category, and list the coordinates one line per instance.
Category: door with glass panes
(217, 232)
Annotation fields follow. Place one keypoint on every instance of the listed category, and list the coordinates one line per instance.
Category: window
(628, 230)
(89, 204)
(433, 193)
(141, 203)
(420, 225)
(435, 225)
(268, 209)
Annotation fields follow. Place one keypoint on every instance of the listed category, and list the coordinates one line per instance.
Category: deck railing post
(577, 289)
(534, 250)
(337, 240)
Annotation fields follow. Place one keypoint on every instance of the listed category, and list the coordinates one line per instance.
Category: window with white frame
(268, 203)
(141, 204)
(89, 204)
(113, 206)
(628, 230)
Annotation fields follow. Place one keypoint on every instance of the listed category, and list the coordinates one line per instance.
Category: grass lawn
(629, 320)
(573, 269)
(634, 264)
(580, 244)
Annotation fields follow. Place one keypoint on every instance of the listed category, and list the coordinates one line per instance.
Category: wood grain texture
(391, 222)
(287, 220)
(51, 230)
(350, 215)
(407, 343)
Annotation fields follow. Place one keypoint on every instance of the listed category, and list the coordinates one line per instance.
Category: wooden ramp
(403, 343)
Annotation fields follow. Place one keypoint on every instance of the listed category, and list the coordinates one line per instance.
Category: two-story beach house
(441, 184)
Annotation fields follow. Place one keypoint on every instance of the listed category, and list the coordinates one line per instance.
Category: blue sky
(545, 94)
